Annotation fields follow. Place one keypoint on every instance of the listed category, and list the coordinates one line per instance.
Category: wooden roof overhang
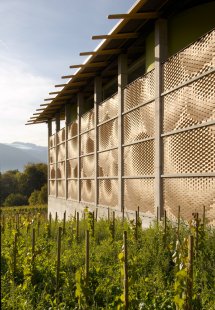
(126, 37)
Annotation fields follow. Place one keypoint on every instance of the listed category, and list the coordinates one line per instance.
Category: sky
(39, 39)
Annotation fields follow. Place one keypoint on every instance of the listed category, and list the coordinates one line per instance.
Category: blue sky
(38, 41)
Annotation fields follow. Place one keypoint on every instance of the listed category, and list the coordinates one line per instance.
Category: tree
(8, 184)
(39, 197)
(33, 178)
(15, 200)
(34, 198)
(43, 195)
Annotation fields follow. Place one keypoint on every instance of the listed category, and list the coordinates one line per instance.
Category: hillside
(17, 154)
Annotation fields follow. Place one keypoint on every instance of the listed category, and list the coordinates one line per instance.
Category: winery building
(139, 117)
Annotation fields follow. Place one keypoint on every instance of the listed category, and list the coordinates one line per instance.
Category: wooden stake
(165, 222)
(190, 273)
(56, 218)
(203, 218)
(138, 212)
(96, 214)
(58, 258)
(14, 254)
(93, 224)
(157, 215)
(64, 222)
(87, 256)
(50, 224)
(113, 229)
(108, 214)
(33, 245)
(77, 227)
(179, 218)
(197, 232)
(125, 270)
(136, 225)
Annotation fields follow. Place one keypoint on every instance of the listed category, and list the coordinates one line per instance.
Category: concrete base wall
(61, 205)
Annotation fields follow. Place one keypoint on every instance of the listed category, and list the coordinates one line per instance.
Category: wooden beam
(130, 35)
(61, 85)
(72, 91)
(102, 52)
(44, 104)
(49, 99)
(40, 109)
(145, 15)
(72, 84)
(90, 65)
(80, 75)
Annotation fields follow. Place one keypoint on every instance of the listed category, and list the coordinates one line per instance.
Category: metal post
(97, 100)
(80, 101)
(67, 120)
(160, 56)
(57, 121)
(49, 135)
(122, 82)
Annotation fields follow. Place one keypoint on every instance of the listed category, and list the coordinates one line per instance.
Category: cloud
(21, 94)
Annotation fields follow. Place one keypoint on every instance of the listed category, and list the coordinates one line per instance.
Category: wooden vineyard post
(136, 225)
(14, 254)
(203, 218)
(190, 273)
(64, 222)
(77, 227)
(58, 258)
(123, 215)
(50, 224)
(125, 270)
(96, 214)
(87, 257)
(56, 218)
(197, 233)
(165, 223)
(17, 222)
(33, 245)
(113, 226)
(93, 224)
(138, 212)
(179, 219)
(157, 216)
(108, 214)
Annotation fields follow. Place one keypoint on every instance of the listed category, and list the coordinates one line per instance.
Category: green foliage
(157, 265)
(33, 178)
(15, 200)
(39, 197)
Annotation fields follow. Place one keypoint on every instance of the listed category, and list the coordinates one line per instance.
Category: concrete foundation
(61, 205)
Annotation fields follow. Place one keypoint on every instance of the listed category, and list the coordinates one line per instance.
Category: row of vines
(91, 263)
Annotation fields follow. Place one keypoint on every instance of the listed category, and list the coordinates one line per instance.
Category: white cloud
(21, 94)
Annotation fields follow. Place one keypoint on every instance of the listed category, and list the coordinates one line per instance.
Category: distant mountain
(17, 154)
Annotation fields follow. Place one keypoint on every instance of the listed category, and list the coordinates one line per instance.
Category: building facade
(139, 117)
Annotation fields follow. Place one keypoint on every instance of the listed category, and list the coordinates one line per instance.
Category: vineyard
(91, 263)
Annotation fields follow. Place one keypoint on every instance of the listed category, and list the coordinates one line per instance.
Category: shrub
(15, 200)
(34, 198)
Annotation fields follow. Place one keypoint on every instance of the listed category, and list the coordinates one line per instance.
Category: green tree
(15, 200)
(8, 184)
(33, 178)
(34, 198)
(39, 197)
(43, 194)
